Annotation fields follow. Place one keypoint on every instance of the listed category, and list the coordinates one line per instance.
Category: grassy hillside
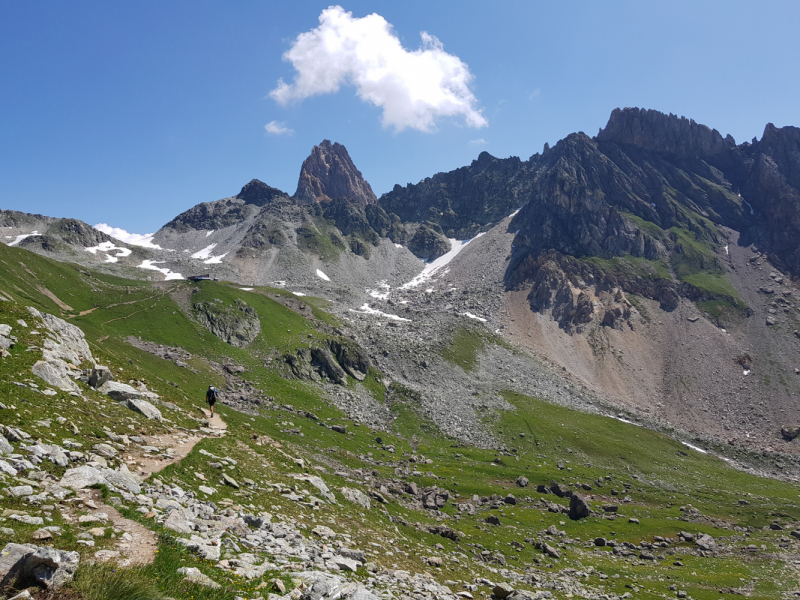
(665, 486)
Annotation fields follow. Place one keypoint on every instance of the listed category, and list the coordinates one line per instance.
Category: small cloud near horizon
(134, 239)
(276, 128)
(478, 142)
(413, 87)
(534, 94)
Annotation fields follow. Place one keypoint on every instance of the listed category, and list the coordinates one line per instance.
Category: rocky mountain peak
(329, 173)
(259, 193)
(658, 132)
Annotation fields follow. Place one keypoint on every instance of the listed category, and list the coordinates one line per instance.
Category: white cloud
(134, 239)
(413, 88)
(534, 94)
(276, 128)
(478, 142)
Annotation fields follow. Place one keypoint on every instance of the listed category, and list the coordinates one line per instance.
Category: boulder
(195, 576)
(706, 542)
(578, 508)
(789, 432)
(87, 476)
(522, 481)
(177, 521)
(502, 590)
(145, 408)
(50, 567)
(7, 469)
(12, 560)
(67, 341)
(5, 446)
(356, 497)
(99, 376)
(55, 372)
(121, 392)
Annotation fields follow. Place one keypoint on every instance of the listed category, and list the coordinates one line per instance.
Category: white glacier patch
(322, 275)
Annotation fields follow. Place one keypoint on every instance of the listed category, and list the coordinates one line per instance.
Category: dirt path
(137, 545)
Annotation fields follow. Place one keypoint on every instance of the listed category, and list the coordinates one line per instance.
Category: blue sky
(130, 113)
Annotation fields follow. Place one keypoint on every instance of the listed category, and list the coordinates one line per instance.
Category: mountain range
(653, 262)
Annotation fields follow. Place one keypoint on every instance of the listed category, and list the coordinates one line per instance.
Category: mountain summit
(329, 173)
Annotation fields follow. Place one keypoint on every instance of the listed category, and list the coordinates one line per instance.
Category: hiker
(211, 397)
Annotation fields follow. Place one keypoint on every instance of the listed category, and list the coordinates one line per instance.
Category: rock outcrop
(330, 173)
(236, 324)
(654, 131)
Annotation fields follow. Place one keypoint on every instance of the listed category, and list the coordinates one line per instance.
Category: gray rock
(12, 560)
(121, 392)
(706, 542)
(789, 432)
(522, 481)
(356, 497)
(50, 567)
(7, 469)
(5, 330)
(345, 564)
(177, 521)
(56, 373)
(195, 576)
(230, 481)
(502, 590)
(578, 508)
(67, 341)
(27, 519)
(318, 483)
(20, 491)
(99, 376)
(87, 476)
(5, 446)
(145, 408)
(105, 450)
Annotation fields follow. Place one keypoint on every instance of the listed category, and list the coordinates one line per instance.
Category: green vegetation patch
(464, 348)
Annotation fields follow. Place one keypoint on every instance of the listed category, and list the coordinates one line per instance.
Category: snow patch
(298, 294)
(133, 239)
(110, 247)
(382, 293)
(246, 289)
(726, 249)
(746, 372)
(205, 252)
(471, 316)
(278, 283)
(431, 268)
(215, 260)
(695, 448)
(514, 214)
(208, 233)
(398, 245)
(168, 274)
(322, 275)
(21, 237)
(366, 310)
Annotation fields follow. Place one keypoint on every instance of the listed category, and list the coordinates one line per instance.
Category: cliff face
(330, 173)
(656, 132)
(464, 201)
(773, 187)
